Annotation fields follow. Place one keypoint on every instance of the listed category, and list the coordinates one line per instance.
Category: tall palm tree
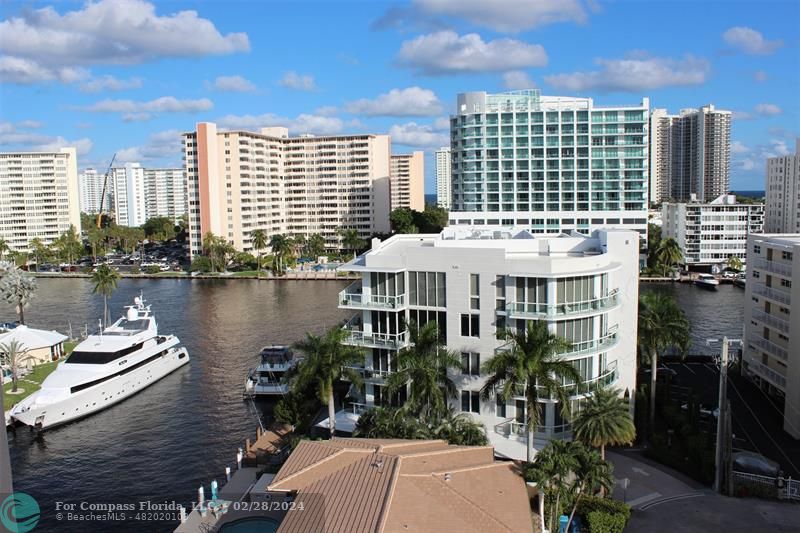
(3, 248)
(669, 253)
(532, 365)
(316, 245)
(591, 473)
(735, 263)
(105, 282)
(351, 240)
(551, 470)
(422, 369)
(14, 354)
(327, 360)
(281, 247)
(604, 419)
(17, 288)
(258, 238)
(662, 325)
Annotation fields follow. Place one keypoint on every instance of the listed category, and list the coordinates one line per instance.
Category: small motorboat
(707, 281)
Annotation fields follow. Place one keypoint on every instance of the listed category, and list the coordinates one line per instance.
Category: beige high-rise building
(660, 156)
(240, 181)
(38, 196)
(783, 193)
(408, 181)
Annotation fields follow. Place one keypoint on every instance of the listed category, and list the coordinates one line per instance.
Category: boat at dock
(740, 280)
(269, 377)
(707, 281)
(121, 360)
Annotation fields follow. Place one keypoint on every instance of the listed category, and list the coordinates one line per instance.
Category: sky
(128, 76)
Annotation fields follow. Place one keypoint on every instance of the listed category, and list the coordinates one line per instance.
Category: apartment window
(756, 274)
(500, 407)
(786, 283)
(427, 289)
(756, 249)
(474, 291)
(470, 325)
(786, 256)
(471, 364)
(470, 401)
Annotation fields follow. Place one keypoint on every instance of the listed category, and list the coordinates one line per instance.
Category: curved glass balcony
(543, 310)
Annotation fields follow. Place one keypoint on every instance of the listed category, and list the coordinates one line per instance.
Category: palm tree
(105, 282)
(735, 263)
(17, 288)
(351, 240)
(422, 368)
(327, 360)
(662, 325)
(531, 364)
(14, 354)
(591, 473)
(281, 247)
(3, 248)
(551, 470)
(316, 245)
(258, 238)
(669, 253)
(604, 419)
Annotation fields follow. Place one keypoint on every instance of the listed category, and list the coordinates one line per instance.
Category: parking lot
(757, 420)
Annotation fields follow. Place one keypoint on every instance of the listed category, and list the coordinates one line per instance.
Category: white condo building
(472, 282)
(240, 181)
(771, 355)
(129, 195)
(38, 196)
(548, 163)
(443, 178)
(710, 233)
(783, 193)
(690, 154)
(90, 184)
(165, 193)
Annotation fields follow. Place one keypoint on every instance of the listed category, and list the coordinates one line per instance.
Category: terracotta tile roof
(382, 485)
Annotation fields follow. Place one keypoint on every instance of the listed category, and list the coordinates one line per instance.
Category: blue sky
(127, 76)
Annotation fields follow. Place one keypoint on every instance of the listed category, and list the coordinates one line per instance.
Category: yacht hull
(102, 396)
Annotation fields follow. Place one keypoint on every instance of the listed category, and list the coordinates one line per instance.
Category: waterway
(161, 444)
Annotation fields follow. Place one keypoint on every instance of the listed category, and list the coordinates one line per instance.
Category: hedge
(588, 504)
(600, 522)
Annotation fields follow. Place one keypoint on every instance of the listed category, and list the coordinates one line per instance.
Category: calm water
(161, 444)
(182, 431)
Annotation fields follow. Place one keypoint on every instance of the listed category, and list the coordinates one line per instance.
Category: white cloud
(634, 74)
(418, 135)
(507, 15)
(161, 146)
(15, 135)
(442, 123)
(300, 82)
(745, 159)
(737, 147)
(768, 109)
(410, 102)
(326, 111)
(517, 79)
(137, 117)
(760, 76)
(750, 41)
(165, 104)
(446, 52)
(236, 84)
(742, 115)
(43, 45)
(304, 123)
(110, 83)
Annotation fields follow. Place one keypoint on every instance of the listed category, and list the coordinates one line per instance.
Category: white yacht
(707, 281)
(104, 369)
(268, 378)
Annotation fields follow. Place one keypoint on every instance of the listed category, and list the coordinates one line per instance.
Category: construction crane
(103, 195)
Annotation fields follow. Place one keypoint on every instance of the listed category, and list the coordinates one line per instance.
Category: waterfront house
(40, 345)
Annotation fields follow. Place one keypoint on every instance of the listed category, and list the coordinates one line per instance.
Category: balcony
(765, 372)
(542, 310)
(782, 269)
(512, 428)
(771, 320)
(769, 346)
(371, 375)
(609, 340)
(772, 293)
(357, 337)
(353, 297)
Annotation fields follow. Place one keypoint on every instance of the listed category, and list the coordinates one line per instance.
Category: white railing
(358, 408)
(782, 269)
(540, 310)
(785, 488)
(771, 320)
(517, 429)
(594, 345)
(394, 341)
(371, 373)
(353, 296)
(772, 293)
(769, 346)
(766, 372)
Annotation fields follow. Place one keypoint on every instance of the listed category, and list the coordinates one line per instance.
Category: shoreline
(304, 277)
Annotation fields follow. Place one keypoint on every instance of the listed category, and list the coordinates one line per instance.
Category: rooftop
(376, 485)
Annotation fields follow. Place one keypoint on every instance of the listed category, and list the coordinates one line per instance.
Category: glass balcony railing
(543, 310)
(782, 269)
(609, 340)
(772, 293)
(371, 375)
(353, 297)
(357, 337)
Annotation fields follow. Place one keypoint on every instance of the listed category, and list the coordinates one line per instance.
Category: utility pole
(6, 485)
(721, 417)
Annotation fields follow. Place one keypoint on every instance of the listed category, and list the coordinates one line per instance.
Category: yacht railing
(545, 310)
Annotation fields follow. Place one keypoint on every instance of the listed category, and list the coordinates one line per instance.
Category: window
(756, 274)
(427, 289)
(756, 249)
(474, 291)
(500, 407)
(470, 325)
(471, 364)
(786, 256)
(470, 401)
(786, 283)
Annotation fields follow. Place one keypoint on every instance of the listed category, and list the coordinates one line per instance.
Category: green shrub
(152, 269)
(136, 270)
(600, 522)
(589, 504)
(200, 263)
